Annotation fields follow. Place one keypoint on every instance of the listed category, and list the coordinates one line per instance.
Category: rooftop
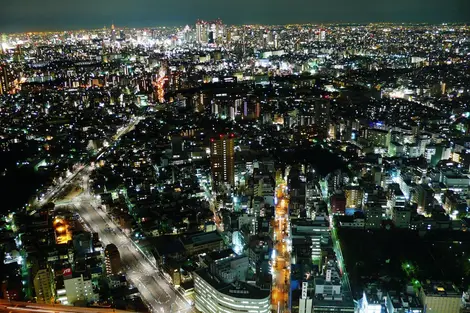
(442, 289)
(237, 289)
(201, 238)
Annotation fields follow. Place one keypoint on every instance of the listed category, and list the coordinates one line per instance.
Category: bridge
(25, 307)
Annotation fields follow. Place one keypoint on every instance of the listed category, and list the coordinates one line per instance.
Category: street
(281, 256)
(61, 186)
(156, 292)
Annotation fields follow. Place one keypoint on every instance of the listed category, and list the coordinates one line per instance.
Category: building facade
(211, 295)
(79, 288)
(222, 151)
(112, 259)
(44, 285)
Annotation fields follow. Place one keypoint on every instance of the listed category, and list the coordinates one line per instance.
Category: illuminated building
(425, 197)
(251, 108)
(305, 302)
(311, 235)
(11, 289)
(370, 303)
(374, 216)
(202, 242)
(62, 231)
(322, 116)
(113, 33)
(112, 259)
(222, 288)
(82, 243)
(79, 288)
(440, 297)
(378, 137)
(209, 32)
(4, 83)
(44, 285)
(329, 292)
(201, 32)
(264, 187)
(401, 217)
(398, 302)
(222, 159)
(354, 197)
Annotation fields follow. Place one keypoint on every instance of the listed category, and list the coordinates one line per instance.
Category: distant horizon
(117, 26)
(55, 15)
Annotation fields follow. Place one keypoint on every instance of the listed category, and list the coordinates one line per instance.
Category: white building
(221, 288)
(79, 289)
(214, 296)
(305, 302)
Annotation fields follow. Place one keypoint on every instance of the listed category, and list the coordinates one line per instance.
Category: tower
(222, 159)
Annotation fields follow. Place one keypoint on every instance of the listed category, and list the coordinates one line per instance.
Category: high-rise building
(113, 33)
(222, 159)
(322, 116)
(201, 32)
(4, 82)
(112, 259)
(44, 285)
(210, 32)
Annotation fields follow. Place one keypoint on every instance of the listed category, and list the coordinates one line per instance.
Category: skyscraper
(201, 32)
(210, 32)
(322, 116)
(112, 259)
(222, 159)
(113, 33)
(4, 83)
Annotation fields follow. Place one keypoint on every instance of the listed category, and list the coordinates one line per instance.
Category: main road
(157, 293)
(141, 271)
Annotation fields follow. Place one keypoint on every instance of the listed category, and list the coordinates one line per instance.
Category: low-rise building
(223, 287)
(438, 297)
(202, 242)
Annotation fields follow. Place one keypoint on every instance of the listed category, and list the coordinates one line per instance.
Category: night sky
(30, 15)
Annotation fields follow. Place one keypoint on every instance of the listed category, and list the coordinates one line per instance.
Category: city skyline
(307, 167)
(52, 16)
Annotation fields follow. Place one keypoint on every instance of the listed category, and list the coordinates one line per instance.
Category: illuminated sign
(67, 272)
(304, 289)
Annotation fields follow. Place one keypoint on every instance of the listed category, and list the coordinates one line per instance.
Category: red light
(212, 139)
(232, 135)
(221, 136)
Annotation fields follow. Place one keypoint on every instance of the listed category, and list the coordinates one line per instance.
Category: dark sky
(30, 15)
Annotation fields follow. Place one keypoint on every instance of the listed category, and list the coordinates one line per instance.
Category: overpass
(25, 307)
